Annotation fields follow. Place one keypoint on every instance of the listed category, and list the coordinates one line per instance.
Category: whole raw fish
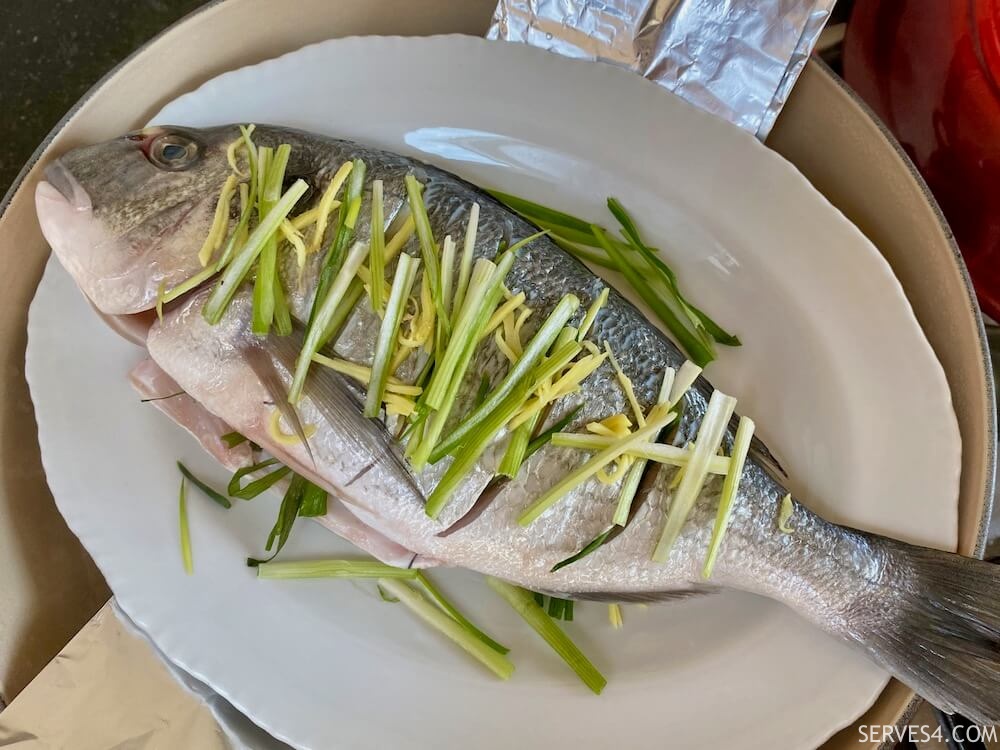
(127, 217)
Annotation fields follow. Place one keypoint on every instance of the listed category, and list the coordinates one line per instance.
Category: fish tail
(936, 626)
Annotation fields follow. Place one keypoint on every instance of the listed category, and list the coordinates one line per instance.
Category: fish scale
(127, 220)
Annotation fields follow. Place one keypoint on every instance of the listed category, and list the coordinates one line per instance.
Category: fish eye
(173, 152)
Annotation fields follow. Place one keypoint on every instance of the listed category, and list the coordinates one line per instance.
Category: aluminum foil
(735, 58)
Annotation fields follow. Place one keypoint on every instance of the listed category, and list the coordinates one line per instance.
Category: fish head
(129, 215)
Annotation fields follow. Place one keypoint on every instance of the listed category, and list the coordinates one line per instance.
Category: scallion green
(267, 264)
(671, 455)
(291, 503)
(316, 333)
(658, 418)
(517, 448)
(523, 242)
(588, 256)
(442, 601)
(236, 271)
(592, 546)
(465, 265)
(282, 319)
(232, 439)
(555, 607)
(186, 286)
(522, 369)
(376, 263)
(709, 437)
(465, 458)
(480, 284)
(257, 486)
(626, 494)
(669, 277)
(575, 235)
(683, 380)
(185, 530)
(447, 276)
(545, 436)
(697, 348)
(388, 333)
(347, 215)
(450, 371)
(483, 392)
(314, 501)
(210, 493)
(730, 486)
(352, 296)
(525, 605)
(573, 229)
(428, 248)
(332, 569)
(592, 311)
(497, 663)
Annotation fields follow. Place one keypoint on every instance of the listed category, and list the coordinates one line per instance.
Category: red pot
(930, 70)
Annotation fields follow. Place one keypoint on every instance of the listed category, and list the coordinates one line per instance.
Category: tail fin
(942, 633)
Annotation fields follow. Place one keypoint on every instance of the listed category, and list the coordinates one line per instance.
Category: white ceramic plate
(835, 370)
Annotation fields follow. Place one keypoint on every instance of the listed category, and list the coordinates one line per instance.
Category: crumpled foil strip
(735, 58)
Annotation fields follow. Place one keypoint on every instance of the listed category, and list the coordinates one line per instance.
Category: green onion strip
(523, 602)
(626, 494)
(450, 371)
(332, 569)
(347, 216)
(533, 352)
(388, 332)
(659, 417)
(376, 263)
(264, 292)
(238, 268)
(641, 265)
(315, 337)
(695, 346)
(428, 248)
(442, 601)
(465, 265)
(185, 529)
(730, 486)
(671, 455)
(210, 493)
(497, 663)
(709, 437)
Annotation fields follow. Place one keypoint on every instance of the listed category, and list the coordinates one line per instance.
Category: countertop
(52, 51)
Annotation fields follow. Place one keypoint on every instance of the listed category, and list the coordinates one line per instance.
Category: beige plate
(823, 131)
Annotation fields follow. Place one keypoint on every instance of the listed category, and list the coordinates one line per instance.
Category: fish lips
(83, 244)
(59, 178)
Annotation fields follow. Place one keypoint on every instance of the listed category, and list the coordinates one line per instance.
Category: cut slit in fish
(160, 390)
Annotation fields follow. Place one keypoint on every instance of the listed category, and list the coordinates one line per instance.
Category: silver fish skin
(128, 215)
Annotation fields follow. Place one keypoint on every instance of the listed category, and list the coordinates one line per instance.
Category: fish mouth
(82, 242)
(65, 212)
(59, 178)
